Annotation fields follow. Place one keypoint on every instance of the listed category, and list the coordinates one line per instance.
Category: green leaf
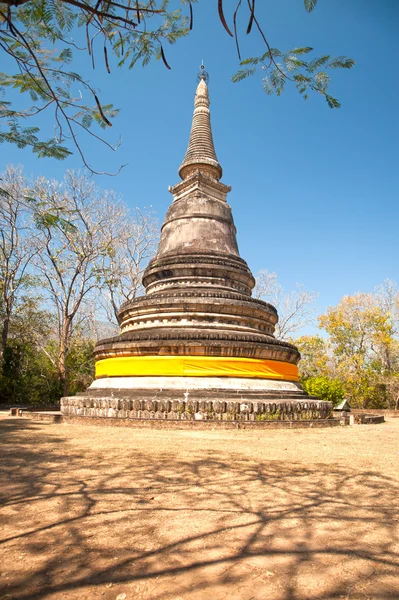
(87, 120)
(267, 86)
(66, 55)
(251, 61)
(293, 63)
(278, 78)
(63, 15)
(332, 102)
(310, 5)
(316, 63)
(274, 52)
(302, 78)
(341, 62)
(300, 50)
(322, 80)
(243, 74)
(51, 149)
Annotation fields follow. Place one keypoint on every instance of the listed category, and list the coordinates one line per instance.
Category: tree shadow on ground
(93, 523)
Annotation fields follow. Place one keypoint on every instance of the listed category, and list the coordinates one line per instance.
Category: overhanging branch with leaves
(37, 36)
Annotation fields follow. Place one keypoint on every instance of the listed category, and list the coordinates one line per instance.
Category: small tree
(325, 388)
(364, 341)
(78, 225)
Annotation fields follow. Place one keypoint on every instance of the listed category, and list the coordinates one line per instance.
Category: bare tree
(295, 309)
(386, 297)
(123, 269)
(16, 248)
(267, 286)
(78, 225)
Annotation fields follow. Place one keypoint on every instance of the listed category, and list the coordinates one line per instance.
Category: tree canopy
(40, 39)
(68, 251)
(360, 356)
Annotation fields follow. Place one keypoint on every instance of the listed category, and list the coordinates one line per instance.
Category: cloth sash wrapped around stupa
(197, 345)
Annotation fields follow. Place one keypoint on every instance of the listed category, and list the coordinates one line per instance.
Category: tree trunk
(62, 354)
(4, 335)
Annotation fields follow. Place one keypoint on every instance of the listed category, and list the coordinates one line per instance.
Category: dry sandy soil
(116, 513)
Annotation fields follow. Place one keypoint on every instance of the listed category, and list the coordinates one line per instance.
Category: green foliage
(26, 136)
(325, 388)
(364, 347)
(366, 391)
(358, 326)
(27, 376)
(314, 357)
(80, 365)
(37, 35)
(310, 5)
(307, 75)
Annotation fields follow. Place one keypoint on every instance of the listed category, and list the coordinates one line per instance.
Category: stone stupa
(197, 345)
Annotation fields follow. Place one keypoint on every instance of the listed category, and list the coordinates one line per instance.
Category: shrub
(325, 388)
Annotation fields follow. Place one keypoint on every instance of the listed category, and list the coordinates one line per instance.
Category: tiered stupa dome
(197, 333)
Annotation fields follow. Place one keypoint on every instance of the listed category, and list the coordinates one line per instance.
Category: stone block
(151, 405)
(136, 405)
(230, 407)
(192, 406)
(164, 406)
(126, 405)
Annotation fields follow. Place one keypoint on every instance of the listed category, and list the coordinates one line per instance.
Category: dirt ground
(93, 512)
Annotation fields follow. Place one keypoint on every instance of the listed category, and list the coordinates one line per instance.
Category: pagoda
(197, 345)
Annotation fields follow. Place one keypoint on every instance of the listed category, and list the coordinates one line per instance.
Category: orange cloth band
(195, 366)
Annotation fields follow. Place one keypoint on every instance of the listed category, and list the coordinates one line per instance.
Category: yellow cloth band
(195, 366)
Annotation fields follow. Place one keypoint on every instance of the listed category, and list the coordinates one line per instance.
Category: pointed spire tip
(201, 150)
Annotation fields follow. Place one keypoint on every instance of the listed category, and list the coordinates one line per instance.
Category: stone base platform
(286, 402)
(200, 425)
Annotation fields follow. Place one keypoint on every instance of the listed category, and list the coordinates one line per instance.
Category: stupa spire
(201, 150)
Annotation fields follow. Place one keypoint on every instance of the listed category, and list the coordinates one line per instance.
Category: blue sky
(315, 191)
